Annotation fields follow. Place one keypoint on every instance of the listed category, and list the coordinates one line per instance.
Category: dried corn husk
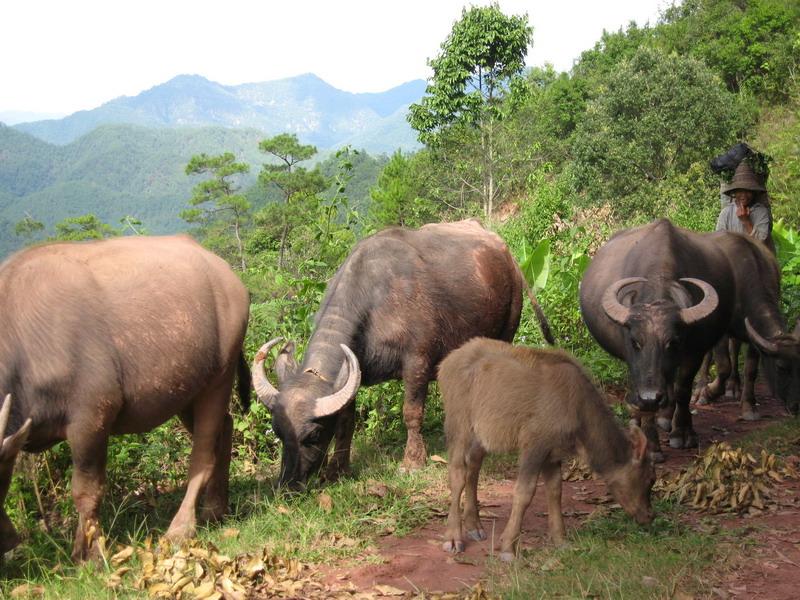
(726, 479)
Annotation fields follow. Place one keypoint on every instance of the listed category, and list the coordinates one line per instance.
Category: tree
(228, 209)
(28, 227)
(84, 227)
(396, 196)
(293, 181)
(479, 67)
(660, 114)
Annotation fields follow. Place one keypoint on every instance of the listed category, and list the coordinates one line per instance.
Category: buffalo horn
(4, 413)
(332, 404)
(766, 345)
(9, 446)
(705, 307)
(611, 304)
(265, 391)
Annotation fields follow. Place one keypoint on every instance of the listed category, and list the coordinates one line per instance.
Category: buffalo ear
(638, 443)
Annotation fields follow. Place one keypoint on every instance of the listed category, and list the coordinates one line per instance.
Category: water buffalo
(659, 297)
(397, 305)
(113, 337)
(541, 404)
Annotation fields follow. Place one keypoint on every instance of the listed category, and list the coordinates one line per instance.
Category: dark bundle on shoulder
(725, 164)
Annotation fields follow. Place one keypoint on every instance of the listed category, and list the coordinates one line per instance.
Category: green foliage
(752, 45)
(787, 245)
(660, 114)
(476, 70)
(28, 227)
(396, 196)
(85, 227)
(222, 208)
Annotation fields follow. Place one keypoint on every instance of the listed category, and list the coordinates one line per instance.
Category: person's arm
(759, 217)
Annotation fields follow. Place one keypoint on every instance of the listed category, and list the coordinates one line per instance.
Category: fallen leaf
(648, 581)
(26, 590)
(230, 533)
(325, 502)
(388, 590)
(438, 459)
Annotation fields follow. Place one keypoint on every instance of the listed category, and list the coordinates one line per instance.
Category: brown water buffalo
(541, 404)
(659, 297)
(112, 337)
(399, 303)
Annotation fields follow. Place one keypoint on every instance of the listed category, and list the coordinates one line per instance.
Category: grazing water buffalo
(398, 304)
(659, 297)
(114, 337)
(540, 403)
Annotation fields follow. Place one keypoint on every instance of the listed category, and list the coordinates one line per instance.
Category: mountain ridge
(317, 112)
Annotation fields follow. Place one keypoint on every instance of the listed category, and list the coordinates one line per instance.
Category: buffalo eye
(672, 344)
(313, 437)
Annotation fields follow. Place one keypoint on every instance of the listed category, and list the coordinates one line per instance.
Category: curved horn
(764, 344)
(705, 307)
(4, 413)
(329, 405)
(611, 304)
(10, 446)
(265, 391)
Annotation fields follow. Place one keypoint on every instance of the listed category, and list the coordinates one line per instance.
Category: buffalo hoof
(453, 546)
(664, 423)
(750, 415)
(685, 439)
(507, 556)
(477, 534)
(657, 457)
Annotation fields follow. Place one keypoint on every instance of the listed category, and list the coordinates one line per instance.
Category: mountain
(114, 171)
(317, 112)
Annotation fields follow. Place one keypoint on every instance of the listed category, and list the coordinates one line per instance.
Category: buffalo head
(305, 409)
(655, 333)
(781, 354)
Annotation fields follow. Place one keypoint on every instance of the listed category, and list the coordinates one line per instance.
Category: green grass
(609, 556)
(612, 557)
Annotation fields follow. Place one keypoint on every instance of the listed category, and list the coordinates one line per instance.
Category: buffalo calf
(501, 398)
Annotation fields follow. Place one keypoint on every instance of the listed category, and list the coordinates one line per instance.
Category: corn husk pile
(726, 479)
(198, 571)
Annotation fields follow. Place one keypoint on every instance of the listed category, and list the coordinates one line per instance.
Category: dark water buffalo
(114, 337)
(400, 302)
(659, 297)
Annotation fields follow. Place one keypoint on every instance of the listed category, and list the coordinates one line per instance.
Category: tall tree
(223, 205)
(479, 66)
(292, 180)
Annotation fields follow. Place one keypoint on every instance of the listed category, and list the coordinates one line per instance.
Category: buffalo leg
(209, 412)
(749, 410)
(415, 380)
(733, 386)
(551, 472)
(683, 434)
(647, 421)
(702, 378)
(530, 464)
(339, 463)
(89, 456)
(722, 360)
(472, 520)
(456, 475)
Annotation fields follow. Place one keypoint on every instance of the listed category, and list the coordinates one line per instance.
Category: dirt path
(416, 562)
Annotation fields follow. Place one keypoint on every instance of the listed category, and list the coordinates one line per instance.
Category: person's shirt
(760, 217)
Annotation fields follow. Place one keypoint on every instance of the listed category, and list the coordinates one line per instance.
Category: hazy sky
(68, 55)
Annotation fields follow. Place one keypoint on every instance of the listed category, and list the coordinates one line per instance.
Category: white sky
(68, 55)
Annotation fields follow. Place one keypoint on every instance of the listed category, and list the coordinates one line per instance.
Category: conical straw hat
(744, 178)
